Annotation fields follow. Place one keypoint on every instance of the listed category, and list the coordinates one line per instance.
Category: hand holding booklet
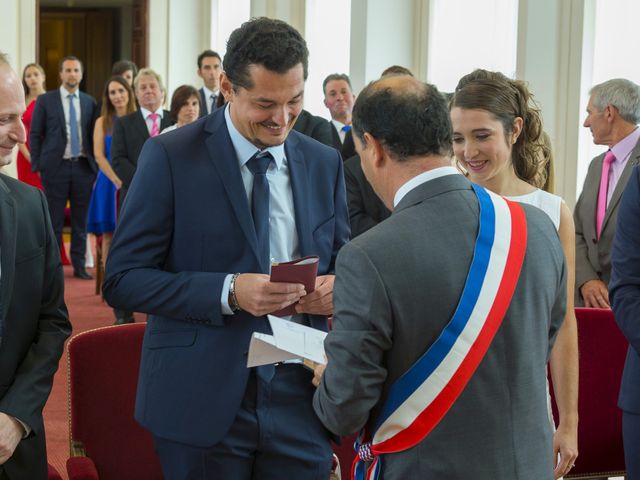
(304, 271)
(289, 341)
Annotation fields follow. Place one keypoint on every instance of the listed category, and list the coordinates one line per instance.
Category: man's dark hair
(122, 66)
(420, 126)
(336, 76)
(396, 70)
(273, 44)
(72, 58)
(205, 54)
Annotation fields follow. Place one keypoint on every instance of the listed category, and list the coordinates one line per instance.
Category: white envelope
(290, 340)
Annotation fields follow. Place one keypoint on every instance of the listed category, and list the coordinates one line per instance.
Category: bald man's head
(408, 117)
(11, 109)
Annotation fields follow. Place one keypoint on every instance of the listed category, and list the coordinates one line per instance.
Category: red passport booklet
(304, 271)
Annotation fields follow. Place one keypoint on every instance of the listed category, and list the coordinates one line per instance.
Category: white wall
(18, 41)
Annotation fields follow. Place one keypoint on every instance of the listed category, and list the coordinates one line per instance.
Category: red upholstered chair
(602, 353)
(345, 454)
(106, 442)
(52, 473)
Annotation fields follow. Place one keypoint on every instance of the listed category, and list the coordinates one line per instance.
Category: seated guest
(185, 107)
(339, 98)
(435, 317)
(498, 140)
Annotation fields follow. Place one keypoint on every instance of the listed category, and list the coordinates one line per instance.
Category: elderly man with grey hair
(613, 113)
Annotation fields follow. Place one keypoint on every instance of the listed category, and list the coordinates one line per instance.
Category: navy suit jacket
(48, 134)
(185, 225)
(625, 289)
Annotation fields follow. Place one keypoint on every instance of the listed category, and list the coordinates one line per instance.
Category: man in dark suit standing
(61, 141)
(613, 114)
(131, 131)
(339, 98)
(209, 69)
(625, 301)
(427, 353)
(33, 317)
(211, 207)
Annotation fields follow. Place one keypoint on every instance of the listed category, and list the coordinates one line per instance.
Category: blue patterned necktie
(73, 127)
(258, 165)
(346, 128)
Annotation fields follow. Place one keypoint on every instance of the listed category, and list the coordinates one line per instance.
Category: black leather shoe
(123, 320)
(82, 274)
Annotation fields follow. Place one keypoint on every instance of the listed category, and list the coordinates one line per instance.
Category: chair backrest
(103, 374)
(602, 353)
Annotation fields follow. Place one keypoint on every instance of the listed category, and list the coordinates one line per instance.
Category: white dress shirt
(283, 236)
(64, 96)
(145, 114)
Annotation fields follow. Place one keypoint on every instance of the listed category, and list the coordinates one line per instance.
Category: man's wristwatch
(233, 300)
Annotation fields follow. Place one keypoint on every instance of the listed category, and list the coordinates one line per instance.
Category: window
(468, 34)
(614, 55)
(328, 34)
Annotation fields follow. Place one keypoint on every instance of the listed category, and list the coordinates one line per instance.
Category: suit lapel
(85, 107)
(204, 107)
(634, 159)
(141, 125)
(7, 246)
(223, 157)
(165, 121)
(300, 188)
(58, 102)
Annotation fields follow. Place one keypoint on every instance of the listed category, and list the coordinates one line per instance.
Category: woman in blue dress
(117, 100)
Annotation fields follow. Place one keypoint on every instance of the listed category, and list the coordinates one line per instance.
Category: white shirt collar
(145, 113)
(423, 178)
(208, 93)
(244, 148)
(65, 93)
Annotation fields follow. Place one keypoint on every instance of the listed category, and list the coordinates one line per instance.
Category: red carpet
(86, 311)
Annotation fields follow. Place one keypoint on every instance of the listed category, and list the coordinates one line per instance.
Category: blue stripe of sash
(409, 382)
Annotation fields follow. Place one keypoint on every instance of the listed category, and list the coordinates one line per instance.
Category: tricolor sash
(421, 397)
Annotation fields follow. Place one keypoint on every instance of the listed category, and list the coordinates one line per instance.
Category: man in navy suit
(209, 69)
(61, 141)
(210, 207)
(624, 293)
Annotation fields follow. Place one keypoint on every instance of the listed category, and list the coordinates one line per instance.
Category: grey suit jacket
(593, 257)
(397, 286)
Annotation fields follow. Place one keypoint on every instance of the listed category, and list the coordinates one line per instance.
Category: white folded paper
(289, 341)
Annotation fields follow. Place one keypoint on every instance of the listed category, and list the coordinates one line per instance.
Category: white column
(550, 38)
(18, 41)
(179, 30)
(385, 34)
(290, 11)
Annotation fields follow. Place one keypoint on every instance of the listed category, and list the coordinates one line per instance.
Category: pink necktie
(601, 209)
(155, 128)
